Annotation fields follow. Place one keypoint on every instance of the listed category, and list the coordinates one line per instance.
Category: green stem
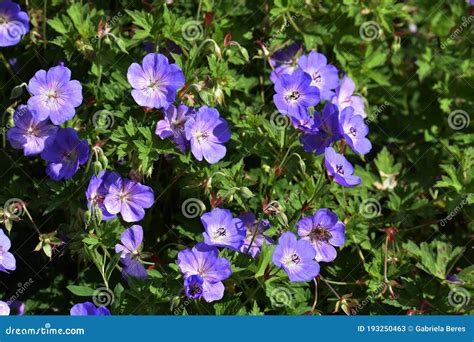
(330, 287)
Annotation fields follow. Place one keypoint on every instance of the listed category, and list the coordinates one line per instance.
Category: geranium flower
(55, 96)
(354, 130)
(323, 230)
(222, 229)
(340, 168)
(324, 76)
(29, 134)
(99, 188)
(129, 199)
(296, 257)
(326, 131)
(283, 61)
(344, 97)
(7, 260)
(155, 82)
(203, 272)
(172, 125)
(295, 94)
(64, 154)
(4, 309)
(18, 307)
(129, 249)
(207, 133)
(254, 237)
(14, 23)
(89, 309)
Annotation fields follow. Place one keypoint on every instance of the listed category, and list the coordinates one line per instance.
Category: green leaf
(82, 291)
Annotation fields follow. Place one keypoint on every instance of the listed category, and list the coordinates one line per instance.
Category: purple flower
(294, 94)
(324, 231)
(64, 154)
(283, 61)
(129, 249)
(55, 96)
(354, 130)
(344, 98)
(29, 134)
(89, 309)
(7, 260)
(325, 133)
(254, 237)
(203, 262)
(324, 76)
(296, 258)
(340, 168)
(207, 133)
(17, 307)
(155, 82)
(4, 309)
(14, 23)
(97, 190)
(193, 286)
(222, 229)
(129, 199)
(173, 123)
(453, 279)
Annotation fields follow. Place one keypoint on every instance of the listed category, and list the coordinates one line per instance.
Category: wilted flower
(222, 230)
(338, 167)
(89, 309)
(64, 154)
(296, 257)
(207, 133)
(99, 188)
(325, 131)
(29, 134)
(14, 23)
(7, 260)
(55, 96)
(324, 231)
(129, 249)
(155, 82)
(283, 61)
(172, 125)
(324, 76)
(129, 199)
(254, 238)
(203, 272)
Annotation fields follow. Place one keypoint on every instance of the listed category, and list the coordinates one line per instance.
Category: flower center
(220, 232)
(201, 135)
(316, 77)
(292, 96)
(295, 259)
(154, 85)
(319, 233)
(123, 196)
(3, 20)
(353, 131)
(52, 94)
(177, 126)
(340, 169)
(31, 131)
(70, 156)
(292, 260)
(195, 289)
